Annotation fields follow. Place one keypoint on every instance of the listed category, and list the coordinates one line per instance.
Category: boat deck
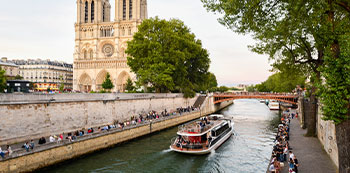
(194, 127)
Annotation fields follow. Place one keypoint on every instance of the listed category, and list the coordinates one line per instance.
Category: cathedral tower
(100, 43)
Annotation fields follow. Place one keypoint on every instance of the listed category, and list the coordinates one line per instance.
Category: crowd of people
(72, 136)
(282, 152)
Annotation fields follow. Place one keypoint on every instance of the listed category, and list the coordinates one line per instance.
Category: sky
(45, 29)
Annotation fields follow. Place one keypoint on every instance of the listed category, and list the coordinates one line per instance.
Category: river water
(248, 150)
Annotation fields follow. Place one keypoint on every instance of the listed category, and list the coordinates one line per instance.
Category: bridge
(286, 98)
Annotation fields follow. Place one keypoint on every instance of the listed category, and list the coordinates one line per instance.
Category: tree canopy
(167, 56)
(308, 34)
(2, 80)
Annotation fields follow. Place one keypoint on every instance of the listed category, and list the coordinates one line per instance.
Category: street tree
(18, 77)
(308, 33)
(167, 56)
(2, 80)
(62, 84)
(107, 83)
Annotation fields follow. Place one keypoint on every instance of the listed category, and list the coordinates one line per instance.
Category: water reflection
(249, 150)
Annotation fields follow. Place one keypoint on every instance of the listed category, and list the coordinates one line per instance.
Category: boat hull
(207, 151)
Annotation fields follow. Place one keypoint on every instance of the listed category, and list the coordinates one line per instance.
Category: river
(248, 150)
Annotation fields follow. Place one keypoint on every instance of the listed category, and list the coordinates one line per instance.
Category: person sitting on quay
(26, 146)
(42, 141)
(51, 139)
(2, 154)
(9, 150)
(31, 144)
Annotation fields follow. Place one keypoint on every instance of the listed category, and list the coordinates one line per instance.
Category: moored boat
(274, 105)
(202, 136)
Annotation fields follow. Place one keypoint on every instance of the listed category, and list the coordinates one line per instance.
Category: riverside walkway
(19, 151)
(309, 151)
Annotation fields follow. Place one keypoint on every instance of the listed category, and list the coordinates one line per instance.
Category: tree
(167, 56)
(306, 34)
(62, 84)
(3, 85)
(282, 82)
(209, 83)
(223, 89)
(18, 77)
(107, 83)
(130, 86)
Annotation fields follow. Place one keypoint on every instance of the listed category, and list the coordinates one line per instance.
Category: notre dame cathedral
(100, 43)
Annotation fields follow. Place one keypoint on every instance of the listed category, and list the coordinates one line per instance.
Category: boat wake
(166, 151)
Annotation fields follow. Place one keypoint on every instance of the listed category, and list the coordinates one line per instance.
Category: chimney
(4, 59)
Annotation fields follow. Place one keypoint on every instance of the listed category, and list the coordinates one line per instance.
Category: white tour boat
(202, 136)
(274, 105)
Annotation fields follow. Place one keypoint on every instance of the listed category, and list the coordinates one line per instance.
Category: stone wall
(61, 153)
(327, 136)
(325, 132)
(28, 116)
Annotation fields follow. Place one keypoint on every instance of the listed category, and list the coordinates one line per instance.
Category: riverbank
(65, 151)
(309, 151)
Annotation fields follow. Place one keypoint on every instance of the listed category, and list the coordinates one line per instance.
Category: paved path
(309, 151)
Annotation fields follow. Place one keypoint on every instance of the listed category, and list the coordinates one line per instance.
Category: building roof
(8, 63)
(42, 62)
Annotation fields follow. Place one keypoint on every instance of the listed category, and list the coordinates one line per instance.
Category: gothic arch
(100, 78)
(86, 12)
(85, 54)
(121, 81)
(85, 83)
(91, 54)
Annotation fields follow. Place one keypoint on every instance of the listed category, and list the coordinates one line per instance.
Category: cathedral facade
(100, 43)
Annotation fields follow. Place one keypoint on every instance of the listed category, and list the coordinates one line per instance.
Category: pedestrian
(291, 165)
(296, 164)
(291, 155)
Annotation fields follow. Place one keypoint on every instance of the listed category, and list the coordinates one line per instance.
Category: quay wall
(326, 133)
(50, 156)
(27, 116)
(327, 136)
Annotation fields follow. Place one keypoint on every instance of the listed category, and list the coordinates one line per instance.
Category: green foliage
(130, 86)
(209, 83)
(104, 91)
(335, 89)
(281, 82)
(167, 56)
(302, 34)
(62, 84)
(31, 86)
(223, 89)
(251, 88)
(107, 83)
(18, 77)
(3, 85)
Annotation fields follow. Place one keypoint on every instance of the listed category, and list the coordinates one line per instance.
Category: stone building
(100, 43)
(46, 74)
(11, 69)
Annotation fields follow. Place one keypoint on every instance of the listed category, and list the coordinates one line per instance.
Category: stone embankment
(27, 116)
(54, 153)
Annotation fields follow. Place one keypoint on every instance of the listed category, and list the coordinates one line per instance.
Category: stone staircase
(199, 101)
